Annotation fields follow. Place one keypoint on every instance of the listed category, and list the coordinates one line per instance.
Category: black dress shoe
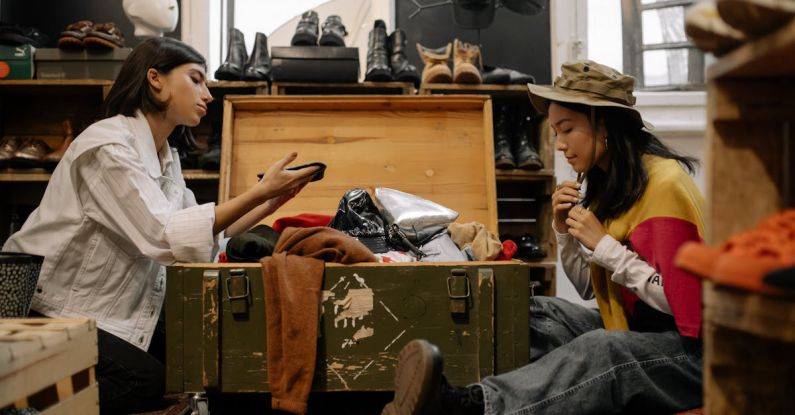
(402, 69)
(524, 152)
(503, 158)
(307, 30)
(236, 57)
(494, 75)
(378, 69)
(528, 247)
(259, 63)
(421, 388)
(333, 32)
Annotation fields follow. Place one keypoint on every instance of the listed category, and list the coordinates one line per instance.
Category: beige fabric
(485, 245)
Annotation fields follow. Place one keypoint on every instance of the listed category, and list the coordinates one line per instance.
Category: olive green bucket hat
(589, 83)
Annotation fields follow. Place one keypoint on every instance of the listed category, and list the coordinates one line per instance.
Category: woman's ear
(155, 79)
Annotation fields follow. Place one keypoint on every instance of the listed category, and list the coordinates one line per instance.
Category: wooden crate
(749, 339)
(48, 364)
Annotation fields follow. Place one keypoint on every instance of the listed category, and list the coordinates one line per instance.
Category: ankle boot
(524, 151)
(503, 158)
(333, 32)
(402, 69)
(52, 159)
(421, 388)
(259, 63)
(377, 63)
(307, 30)
(236, 57)
(466, 63)
(435, 60)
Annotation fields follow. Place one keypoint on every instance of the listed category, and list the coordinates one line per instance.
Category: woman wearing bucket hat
(640, 352)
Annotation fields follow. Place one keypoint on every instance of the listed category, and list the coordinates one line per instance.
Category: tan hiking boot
(436, 69)
(466, 63)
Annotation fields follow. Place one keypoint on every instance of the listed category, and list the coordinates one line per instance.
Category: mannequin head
(152, 18)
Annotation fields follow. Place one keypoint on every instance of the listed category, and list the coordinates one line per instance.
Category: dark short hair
(131, 91)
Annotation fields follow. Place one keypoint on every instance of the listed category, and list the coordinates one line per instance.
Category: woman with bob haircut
(116, 211)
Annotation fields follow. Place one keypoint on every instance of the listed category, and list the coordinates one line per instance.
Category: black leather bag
(358, 217)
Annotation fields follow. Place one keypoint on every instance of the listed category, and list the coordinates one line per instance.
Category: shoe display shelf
(357, 88)
(523, 196)
(749, 338)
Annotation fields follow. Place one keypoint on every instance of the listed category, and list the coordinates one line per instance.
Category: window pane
(666, 25)
(665, 67)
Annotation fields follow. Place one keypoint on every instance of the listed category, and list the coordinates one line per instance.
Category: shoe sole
(383, 75)
(531, 165)
(466, 73)
(439, 74)
(331, 40)
(417, 378)
(504, 164)
(303, 39)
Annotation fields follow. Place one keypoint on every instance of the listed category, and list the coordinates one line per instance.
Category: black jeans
(130, 379)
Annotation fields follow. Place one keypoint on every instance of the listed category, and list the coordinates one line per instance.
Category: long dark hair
(615, 191)
(131, 91)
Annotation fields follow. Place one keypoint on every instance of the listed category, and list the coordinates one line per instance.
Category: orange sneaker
(747, 257)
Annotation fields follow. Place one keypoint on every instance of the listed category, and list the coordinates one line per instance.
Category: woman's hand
(585, 227)
(279, 182)
(566, 195)
(273, 204)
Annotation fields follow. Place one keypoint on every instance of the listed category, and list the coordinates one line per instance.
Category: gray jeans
(578, 367)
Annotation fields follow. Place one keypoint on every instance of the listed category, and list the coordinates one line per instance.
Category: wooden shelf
(39, 175)
(524, 175)
(237, 84)
(56, 82)
(32, 175)
(353, 88)
(191, 174)
(487, 89)
(766, 57)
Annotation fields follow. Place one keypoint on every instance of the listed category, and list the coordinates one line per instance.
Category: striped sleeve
(120, 195)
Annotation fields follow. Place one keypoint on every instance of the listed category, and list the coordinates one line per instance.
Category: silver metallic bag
(419, 219)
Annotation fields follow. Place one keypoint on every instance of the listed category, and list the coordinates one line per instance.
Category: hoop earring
(606, 143)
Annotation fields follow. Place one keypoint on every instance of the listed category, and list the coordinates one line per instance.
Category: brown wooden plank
(84, 402)
(761, 315)
(748, 167)
(751, 100)
(765, 57)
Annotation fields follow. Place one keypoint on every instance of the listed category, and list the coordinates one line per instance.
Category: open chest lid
(436, 147)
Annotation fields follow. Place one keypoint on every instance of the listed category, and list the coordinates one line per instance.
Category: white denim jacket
(114, 212)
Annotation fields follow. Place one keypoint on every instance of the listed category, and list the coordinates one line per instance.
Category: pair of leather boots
(308, 32)
(467, 63)
(239, 65)
(31, 152)
(513, 134)
(386, 57)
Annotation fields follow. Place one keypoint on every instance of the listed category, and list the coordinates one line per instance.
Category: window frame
(633, 47)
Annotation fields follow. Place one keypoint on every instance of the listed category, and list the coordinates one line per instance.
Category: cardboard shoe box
(79, 64)
(315, 64)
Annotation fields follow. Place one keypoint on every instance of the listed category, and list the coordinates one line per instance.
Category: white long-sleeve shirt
(114, 212)
(629, 270)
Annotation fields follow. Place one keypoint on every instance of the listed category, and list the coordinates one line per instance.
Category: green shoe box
(16, 62)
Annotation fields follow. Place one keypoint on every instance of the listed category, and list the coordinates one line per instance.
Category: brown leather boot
(466, 63)
(52, 159)
(30, 153)
(436, 69)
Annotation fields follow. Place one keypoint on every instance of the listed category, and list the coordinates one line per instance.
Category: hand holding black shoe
(421, 388)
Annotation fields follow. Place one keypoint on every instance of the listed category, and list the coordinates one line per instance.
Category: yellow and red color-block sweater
(669, 213)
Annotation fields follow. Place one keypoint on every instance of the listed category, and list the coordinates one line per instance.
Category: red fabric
(222, 257)
(657, 240)
(304, 220)
(509, 249)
